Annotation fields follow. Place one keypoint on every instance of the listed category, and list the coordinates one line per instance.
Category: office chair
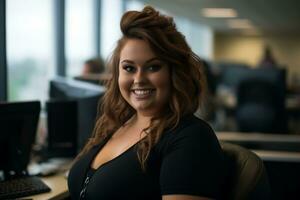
(247, 175)
(260, 107)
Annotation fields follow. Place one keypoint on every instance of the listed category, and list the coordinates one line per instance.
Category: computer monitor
(62, 88)
(232, 75)
(72, 112)
(18, 126)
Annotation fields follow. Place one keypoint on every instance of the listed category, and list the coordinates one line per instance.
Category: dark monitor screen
(232, 76)
(73, 110)
(18, 126)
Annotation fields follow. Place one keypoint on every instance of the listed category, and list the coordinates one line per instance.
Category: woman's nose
(140, 77)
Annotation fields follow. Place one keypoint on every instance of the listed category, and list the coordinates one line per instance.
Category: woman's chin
(144, 108)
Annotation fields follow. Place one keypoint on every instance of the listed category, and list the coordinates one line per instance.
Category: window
(111, 12)
(30, 48)
(198, 36)
(134, 5)
(80, 38)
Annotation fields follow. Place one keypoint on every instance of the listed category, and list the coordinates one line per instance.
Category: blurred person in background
(93, 66)
(268, 59)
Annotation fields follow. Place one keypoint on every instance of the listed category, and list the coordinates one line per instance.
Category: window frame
(3, 57)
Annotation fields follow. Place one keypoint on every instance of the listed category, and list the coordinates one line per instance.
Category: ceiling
(267, 16)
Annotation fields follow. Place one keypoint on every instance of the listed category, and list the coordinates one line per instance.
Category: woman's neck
(142, 121)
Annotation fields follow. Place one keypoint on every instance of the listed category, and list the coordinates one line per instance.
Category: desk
(257, 137)
(262, 141)
(57, 183)
(278, 156)
(59, 189)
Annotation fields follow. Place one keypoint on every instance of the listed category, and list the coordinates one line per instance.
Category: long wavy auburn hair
(187, 80)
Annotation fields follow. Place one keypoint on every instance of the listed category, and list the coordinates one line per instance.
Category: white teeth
(142, 92)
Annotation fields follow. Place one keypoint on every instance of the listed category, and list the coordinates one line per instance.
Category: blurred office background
(44, 39)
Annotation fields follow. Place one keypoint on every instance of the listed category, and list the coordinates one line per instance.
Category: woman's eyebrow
(127, 61)
(148, 61)
(151, 60)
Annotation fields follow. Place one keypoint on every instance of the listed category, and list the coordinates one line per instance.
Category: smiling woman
(144, 81)
(147, 144)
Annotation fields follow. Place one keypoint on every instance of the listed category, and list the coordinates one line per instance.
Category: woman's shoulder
(191, 130)
(190, 125)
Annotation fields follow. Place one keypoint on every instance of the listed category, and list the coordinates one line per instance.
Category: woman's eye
(128, 68)
(154, 68)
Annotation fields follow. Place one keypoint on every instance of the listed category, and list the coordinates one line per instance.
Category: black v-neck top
(187, 160)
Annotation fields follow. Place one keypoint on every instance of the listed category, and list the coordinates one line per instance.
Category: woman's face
(144, 80)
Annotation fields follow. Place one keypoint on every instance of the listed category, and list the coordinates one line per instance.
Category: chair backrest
(259, 91)
(260, 107)
(247, 177)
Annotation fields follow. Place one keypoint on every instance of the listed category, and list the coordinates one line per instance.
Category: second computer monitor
(72, 112)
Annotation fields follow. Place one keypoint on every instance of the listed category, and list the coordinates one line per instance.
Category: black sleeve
(192, 163)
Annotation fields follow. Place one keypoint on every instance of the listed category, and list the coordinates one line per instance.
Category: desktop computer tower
(62, 128)
(70, 125)
(72, 112)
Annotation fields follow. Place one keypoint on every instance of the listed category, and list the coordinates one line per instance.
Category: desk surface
(257, 137)
(266, 155)
(59, 189)
(57, 183)
(278, 156)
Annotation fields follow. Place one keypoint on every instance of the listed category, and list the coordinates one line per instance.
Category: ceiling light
(240, 23)
(219, 12)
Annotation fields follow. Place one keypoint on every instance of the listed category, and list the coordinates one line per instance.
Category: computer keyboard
(22, 187)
